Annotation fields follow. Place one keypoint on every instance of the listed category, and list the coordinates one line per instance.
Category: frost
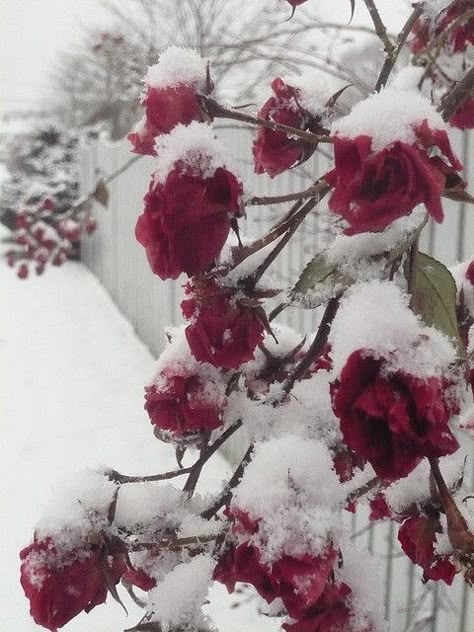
(178, 66)
(291, 488)
(196, 146)
(375, 316)
(176, 601)
(389, 116)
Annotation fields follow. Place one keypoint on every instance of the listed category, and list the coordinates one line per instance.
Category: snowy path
(72, 376)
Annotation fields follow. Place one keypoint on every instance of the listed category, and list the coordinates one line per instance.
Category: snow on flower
(185, 397)
(395, 390)
(392, 153)
(170, 98)
(190, 203)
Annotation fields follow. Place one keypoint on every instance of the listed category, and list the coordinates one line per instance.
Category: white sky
(31, 33)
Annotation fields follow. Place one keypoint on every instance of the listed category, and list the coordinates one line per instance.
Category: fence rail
(119, 262)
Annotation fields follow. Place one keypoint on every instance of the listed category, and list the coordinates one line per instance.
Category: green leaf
(320, 280)
(433, 297)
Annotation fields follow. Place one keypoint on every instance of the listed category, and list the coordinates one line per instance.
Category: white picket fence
(150, 304)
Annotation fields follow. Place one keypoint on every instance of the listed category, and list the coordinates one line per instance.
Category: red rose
(60, 587)
(275, 152)
(184, 404)
(372, 189)
(460, 31)
(164, 109)
(186, 219)
(223, 330)
(330, 614)
(463, 118)
(417, 537)
(394, 420)
(138, 577)
(298, 582)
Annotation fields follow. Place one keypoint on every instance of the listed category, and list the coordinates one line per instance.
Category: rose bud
(171, 96)
(274, 152)
(91, 225)
(189, 206)
(382, 171)
(223, 331)
(417, 536)
(331, 613)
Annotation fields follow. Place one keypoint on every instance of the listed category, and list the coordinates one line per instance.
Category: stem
(226, 494)
(280, 199)
(219, 111)
(317, 346)
(362, 491)
(453, 99)
(283, 241)
(295, 215)
(196, 469)
(380, 29)
(124, 479)
(392, 57)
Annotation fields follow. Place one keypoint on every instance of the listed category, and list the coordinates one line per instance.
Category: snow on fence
(119, 262)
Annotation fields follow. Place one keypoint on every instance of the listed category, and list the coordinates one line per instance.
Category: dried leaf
(101, 193)
(434, 297)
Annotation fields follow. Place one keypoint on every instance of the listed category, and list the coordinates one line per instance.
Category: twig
(362, 491)
(454, 97)
(218, 111)
(380, 29)
(124, 479)
(196, 469)
(280, 199)
(259, 272)
(226, 494)
(392, 57)
(317, 346)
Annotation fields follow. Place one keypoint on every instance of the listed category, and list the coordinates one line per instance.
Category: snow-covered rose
(223, 330)
(61, 585)
(184, 403)
(170, 97)
(392, 419)
(189, 206)
(274, 152)
(372, 188)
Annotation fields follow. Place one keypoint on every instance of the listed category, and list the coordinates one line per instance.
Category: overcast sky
(31, 34)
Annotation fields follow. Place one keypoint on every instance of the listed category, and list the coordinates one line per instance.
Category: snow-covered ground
(72, 397)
